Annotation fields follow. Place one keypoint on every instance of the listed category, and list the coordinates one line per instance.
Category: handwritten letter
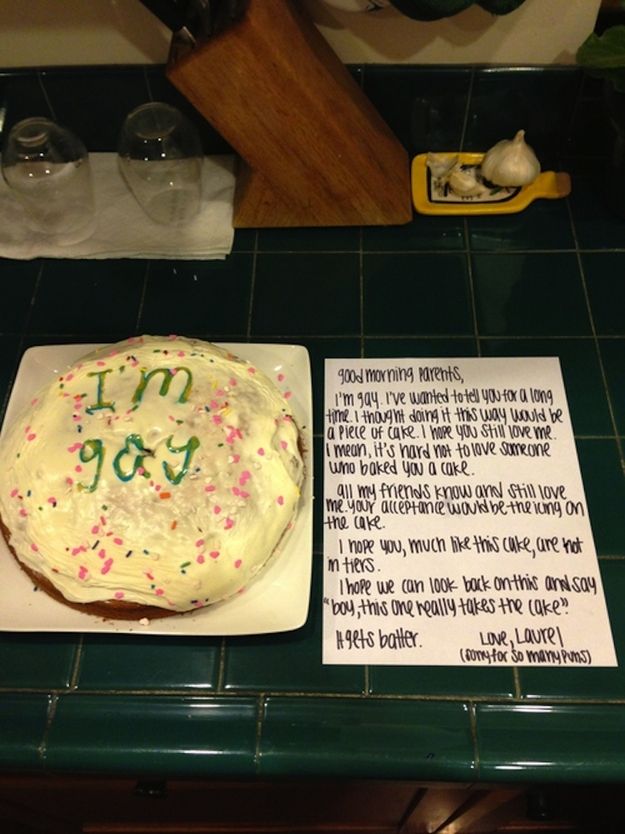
(456, 526)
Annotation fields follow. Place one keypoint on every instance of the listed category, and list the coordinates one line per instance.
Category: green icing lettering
(92, 450)
(168, 375)
(136, 441)
(100, 404)
(189, 449)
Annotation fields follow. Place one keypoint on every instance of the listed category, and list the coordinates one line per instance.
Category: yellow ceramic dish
(430, 199)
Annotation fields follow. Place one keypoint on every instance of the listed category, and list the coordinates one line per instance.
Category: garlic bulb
(511, 162)
(441, 165)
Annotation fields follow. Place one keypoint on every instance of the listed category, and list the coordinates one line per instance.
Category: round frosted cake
(155, 476)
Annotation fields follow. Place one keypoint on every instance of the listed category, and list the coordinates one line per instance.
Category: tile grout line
(474, 735)
(467, 110)
(42, 87)
(604, 379)
(144, 292)
(248, 330)
(42, 749)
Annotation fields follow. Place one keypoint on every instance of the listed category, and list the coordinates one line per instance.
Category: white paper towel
(123, 230)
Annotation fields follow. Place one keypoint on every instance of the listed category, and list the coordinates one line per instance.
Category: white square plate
(278, 599)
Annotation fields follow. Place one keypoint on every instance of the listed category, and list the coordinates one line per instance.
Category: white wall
(64, 32)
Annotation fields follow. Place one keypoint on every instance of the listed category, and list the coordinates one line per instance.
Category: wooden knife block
(314, 151)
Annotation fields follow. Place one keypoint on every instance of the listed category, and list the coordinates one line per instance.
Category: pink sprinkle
(214, 404)
(82, 572)
(236, 490)
(102, 553)
(102, 521)
(52, 500)
(35, 401)
(283, 444)
(280, 500)
(181, 353)
(119, 594)
(232, 381)
(69, 481)
(76, 418)
(14, 492)
(100, 363)
(34, 548)
(172, 337)
(74, 447)
(31, 437)
(216, 419)
(149, 575)
(199, 543)
(78, 468)
(158, 488)
(217, 509)
(214, 554)
(106, 566)
(245, 476)
(251, 370)
(159, 592)
(236, 458)
(173, 371)
(288, 395)
(210, 488)
(69, 377)
(75, 551)
(140, 470)
(118, 541)
(280, 377)
(200, 559)
(78, 405)
(95, 529)
(261, 451)
(229, 524)
(238, 563)
(23, 512)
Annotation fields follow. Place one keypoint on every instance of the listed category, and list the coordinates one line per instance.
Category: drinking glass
(47, 168)
(160, 158)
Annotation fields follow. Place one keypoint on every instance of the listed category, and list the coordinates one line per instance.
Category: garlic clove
(440, 165)
(511, 162)
(464, 183)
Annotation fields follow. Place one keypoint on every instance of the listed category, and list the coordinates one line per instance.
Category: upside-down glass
(47, 168)
(160, 158)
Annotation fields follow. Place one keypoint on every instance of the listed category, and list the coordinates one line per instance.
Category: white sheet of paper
(456, 529)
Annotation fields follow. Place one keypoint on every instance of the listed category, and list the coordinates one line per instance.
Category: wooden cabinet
(91, 805)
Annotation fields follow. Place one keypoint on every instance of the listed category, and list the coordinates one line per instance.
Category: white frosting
(170, 488)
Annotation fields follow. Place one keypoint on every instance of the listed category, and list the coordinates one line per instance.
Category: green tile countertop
(548, 281)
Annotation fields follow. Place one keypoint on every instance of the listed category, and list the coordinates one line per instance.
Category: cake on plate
(153, 477)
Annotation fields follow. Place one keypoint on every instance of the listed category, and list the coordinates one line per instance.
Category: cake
(155, 476)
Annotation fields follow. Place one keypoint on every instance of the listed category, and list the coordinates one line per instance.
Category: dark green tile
(22, 727)
(545, 224)
(145, 663)
(553, 743)
(79, 297)
(151, 734)
(195, 298)
(291, 661)
(18, 279)
(416, 295)
(604, 484)
(605, 273)
(366, 738)
(444, 681)
(594, 683)
(424, 107)
(422, 233)
(536, 99)
(244, 240)
(23, 96)
(333, 239)
(306, 295)
(116, 90)
(529, 295)
(596, 225)
(431, 348)
(40, 661)
(581, 372)
(613, 355)
(8, 366)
